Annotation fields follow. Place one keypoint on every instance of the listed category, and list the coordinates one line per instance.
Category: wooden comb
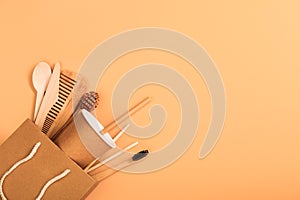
(66, 85)
(69, 81)
(52, 115)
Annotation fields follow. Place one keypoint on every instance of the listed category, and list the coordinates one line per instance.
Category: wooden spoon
(40, 79)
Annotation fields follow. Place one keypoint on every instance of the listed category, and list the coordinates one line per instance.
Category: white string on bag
(24, 160)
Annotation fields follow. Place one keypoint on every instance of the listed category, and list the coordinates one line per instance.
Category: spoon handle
(38, 101)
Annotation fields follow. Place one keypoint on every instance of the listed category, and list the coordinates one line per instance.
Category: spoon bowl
(40, 79)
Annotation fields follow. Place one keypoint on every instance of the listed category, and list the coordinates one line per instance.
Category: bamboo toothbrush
(126, 163)
(88, 101)
(89, 168)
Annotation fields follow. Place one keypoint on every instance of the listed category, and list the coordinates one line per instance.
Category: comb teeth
(47, 125)
(66, 85)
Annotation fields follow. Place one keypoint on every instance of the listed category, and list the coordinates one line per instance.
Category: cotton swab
(112, 157)
(121, 133)
(115, 139)
(130, 161)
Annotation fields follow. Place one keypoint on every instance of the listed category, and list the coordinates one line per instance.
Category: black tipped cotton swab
(108, 172)
(140, 155)
(89, 169)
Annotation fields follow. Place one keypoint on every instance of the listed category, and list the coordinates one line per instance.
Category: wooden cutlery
(56, 107)
(40, 79)
(54, 111)
(50, 98)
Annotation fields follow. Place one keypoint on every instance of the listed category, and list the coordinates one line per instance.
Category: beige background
(255, 45)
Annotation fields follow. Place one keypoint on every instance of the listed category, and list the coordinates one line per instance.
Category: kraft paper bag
(48, 173)
(74, 144)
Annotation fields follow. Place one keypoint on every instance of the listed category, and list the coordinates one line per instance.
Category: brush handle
(90, 168)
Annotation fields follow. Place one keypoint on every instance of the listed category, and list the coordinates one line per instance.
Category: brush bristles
(47, 125)
(140, 155)
(89, 101)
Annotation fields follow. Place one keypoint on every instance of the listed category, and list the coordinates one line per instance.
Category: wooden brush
(122, 165)
(88, 101)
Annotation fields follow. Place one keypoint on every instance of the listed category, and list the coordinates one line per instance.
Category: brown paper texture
(28, 179)
(74, 145)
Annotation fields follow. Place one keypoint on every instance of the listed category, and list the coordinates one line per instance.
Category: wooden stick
(110, 171)
(123, 117)
(115, 139)
(120, 133)
(126, 115)
(105, 174)
(126, 162)
(89, 168)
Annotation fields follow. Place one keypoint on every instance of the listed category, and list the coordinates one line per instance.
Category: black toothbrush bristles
(108, 172)
(140, 155)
